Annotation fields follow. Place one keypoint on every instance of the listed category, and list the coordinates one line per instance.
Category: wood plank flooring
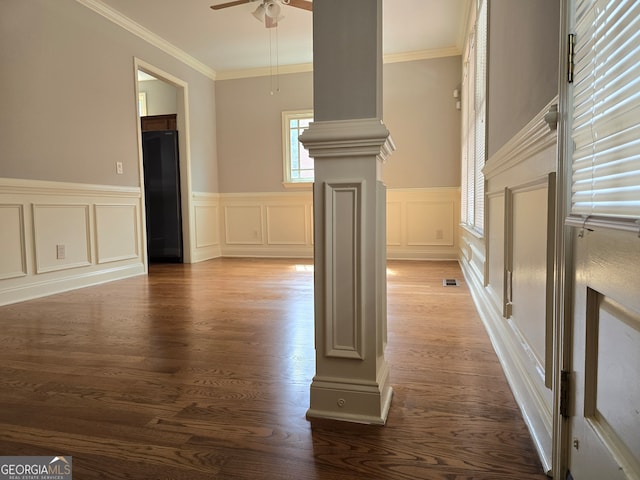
(203, 371)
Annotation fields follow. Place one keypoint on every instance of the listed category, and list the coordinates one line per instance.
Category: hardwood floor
(203, 371)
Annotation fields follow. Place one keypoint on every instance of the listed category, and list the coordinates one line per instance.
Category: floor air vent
(450, 282)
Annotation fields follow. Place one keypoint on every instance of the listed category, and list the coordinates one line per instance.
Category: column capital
(348, 138)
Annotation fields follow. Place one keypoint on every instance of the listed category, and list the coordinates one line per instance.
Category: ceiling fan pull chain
(270, 59)
(277, 60)
(277, 75)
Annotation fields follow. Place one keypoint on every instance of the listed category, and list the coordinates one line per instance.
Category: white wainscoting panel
(207, 225)
(394, 224)
(61, 225)
(271, 224)
(529, 269)
(206, 218)
(510, 285)
(344, 224)
(430, 223)
(495, 248)
(421, 224)
(97, 226)
(13, 262)
(287, 225)
(243, 224)
(117, 235)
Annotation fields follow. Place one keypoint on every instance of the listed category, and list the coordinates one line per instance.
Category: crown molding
(148, 36)
(264, 71)
(422, 55)
(308, 67)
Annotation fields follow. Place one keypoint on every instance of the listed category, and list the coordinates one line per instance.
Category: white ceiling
(232, 39)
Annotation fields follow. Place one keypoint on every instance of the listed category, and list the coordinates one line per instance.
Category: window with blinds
(473, 123)
(606, 111)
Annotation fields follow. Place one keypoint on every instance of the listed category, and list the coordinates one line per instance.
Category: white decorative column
(349, 144)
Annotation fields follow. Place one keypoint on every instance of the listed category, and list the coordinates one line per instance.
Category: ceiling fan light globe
(272, 10)
(259, 13)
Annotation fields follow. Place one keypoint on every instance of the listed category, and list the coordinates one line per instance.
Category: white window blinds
(473, 123)
(480, 113)
(606, 110)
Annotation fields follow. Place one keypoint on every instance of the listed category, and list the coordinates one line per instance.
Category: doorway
(162, 107)
(160, 158)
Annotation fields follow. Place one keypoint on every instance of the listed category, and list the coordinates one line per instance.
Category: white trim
(398, 249)
(348, 138)
(453, 51)
(534, 411)
(53, 286)
(96, 214)
(263, 71)
(236, 195)
(371, 397)
(205, 196)
(422, 55)
(38, 280)
(353, 249)
(287, 116)
(300, 186)
(148, 36)
(21, 232)
(42, 187)
(184, 156)
(85, 262)
(535, 137)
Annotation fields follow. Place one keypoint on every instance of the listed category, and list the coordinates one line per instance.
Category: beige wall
(249, 129)
(419, 110)
(71, 111)
(523, 64)
(161, 97)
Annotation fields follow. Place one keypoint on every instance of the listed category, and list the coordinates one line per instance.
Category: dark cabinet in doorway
(162, 195)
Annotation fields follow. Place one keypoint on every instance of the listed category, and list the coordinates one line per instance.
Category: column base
(351, 401)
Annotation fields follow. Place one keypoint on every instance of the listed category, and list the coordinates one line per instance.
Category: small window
(298, 165)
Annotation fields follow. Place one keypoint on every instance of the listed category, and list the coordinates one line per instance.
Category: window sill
(297, 185)
(479, 235)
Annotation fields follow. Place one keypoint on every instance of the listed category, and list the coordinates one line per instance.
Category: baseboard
(351, 400)
(258, 251)
(424, 255)
(44, 288)
(537, 420)
(202, 254)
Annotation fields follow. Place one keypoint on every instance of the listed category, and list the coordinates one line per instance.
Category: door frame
(564, 261)
(184, 155)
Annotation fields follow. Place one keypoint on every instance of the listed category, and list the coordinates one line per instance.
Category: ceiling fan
(269, 10)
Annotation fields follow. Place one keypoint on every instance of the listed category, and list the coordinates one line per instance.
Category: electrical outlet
(119, 169)
(61, 251)
(439, 234)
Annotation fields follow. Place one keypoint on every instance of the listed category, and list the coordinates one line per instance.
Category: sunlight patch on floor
(304, 268)
(309, 268)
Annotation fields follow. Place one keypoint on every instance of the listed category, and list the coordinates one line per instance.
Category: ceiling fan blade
(229, 4)
(303, 4)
